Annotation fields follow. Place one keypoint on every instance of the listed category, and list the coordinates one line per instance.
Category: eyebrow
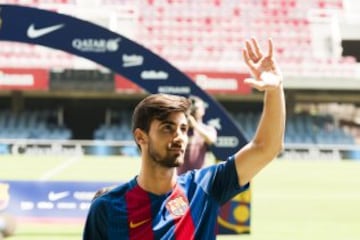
(172, 123)
(167, 122)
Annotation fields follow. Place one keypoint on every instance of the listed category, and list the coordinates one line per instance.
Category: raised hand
(191, 120)
(267, 75)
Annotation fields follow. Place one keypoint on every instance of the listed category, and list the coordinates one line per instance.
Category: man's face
(168, 139)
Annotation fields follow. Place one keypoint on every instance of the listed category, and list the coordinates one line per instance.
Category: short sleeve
(226, 181)
(96, 221)
(220, 181)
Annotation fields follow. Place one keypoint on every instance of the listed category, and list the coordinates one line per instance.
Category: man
(201, 136)
(159, 204)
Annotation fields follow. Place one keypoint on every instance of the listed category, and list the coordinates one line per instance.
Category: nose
(180, 136)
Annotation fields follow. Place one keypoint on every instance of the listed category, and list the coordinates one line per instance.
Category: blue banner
(53, 199)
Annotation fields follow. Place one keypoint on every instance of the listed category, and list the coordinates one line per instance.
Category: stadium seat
(204, 35)
(31, 125)
(301, 129)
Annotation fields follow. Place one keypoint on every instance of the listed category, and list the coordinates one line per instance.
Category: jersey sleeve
(96, 221)
(220, 181)
(226, 181)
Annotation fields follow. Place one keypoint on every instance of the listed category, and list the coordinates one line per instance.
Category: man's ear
(140, 136)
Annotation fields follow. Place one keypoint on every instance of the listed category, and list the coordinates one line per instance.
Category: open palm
(267, 75)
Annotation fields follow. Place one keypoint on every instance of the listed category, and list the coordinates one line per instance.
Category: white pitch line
(51, 173)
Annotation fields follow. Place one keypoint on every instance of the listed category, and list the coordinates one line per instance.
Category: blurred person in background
(201, 136)
(7, 225)
(158, 203)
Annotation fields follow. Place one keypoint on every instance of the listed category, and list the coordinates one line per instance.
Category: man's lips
(177, 149)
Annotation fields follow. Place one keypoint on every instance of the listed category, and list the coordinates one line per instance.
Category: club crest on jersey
(177, 206)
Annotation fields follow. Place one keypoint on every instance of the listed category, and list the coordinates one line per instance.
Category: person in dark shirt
(201, 136)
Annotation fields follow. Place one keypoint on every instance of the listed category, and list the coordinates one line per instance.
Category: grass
(307, 200)
(47, 231)
(290, 199)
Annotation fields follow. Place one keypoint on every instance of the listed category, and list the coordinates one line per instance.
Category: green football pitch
(290, 199)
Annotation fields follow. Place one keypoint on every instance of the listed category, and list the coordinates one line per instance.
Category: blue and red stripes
(172, 218)
(180, 210)
(139, 214)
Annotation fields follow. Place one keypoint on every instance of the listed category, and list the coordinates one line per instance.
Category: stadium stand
(117, 127)
(302, 128)
(41, 124)
(26, 55)
(205, 35)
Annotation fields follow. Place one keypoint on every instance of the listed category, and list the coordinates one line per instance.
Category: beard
(167, 161)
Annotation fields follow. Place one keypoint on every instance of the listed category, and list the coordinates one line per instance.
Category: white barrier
(105, 147)
(320, 152)
(67, 147)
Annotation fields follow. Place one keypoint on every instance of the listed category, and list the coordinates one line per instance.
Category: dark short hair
(157, 106)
